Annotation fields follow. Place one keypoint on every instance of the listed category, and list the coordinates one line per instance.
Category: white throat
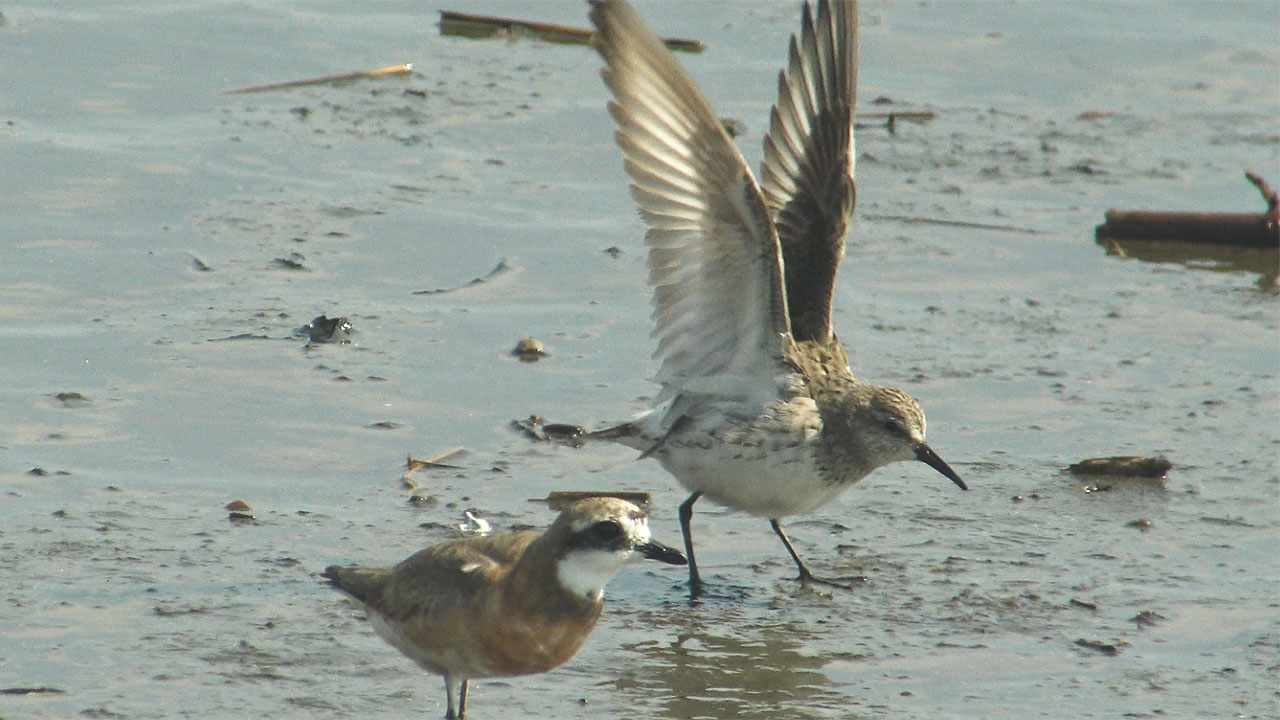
(585, 572)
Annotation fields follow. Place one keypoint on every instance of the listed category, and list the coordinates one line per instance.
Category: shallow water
(128, 591)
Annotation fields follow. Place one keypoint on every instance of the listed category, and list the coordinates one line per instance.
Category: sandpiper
(758, 408)
(503, 605)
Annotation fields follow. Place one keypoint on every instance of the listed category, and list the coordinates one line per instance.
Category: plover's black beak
(926, 455)
(654, 550)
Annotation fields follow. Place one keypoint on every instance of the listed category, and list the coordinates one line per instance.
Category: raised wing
(807, 173)
(714, 262)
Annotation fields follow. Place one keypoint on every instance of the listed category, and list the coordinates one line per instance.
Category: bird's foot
(808, 579)
(696, 589)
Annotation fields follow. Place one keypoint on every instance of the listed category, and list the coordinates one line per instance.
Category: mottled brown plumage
(503, 605)
(758, 409)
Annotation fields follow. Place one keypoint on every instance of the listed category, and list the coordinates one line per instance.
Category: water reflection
(1221, 258)
(710, 670)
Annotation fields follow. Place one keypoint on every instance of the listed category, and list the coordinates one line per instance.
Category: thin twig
(376, 72)
(413, 464)
(1273, 201)
(500, 269)
(485, 26)
(561, 499)
(953, 223)
(915, 115)
(433, 461)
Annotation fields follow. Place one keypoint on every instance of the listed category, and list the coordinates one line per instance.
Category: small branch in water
(400, 69)
(953, 223)
(413, 464)
(559, 500)
(915, 115)
(1214, 228)
(483, 27)
(434, 461)
(498, 270)
(1269, 195)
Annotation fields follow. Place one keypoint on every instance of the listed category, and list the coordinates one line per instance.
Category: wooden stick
(483, 26)
(433, 461)
(558, 501)
(1245, 229)
(1199, 227)
(951, 223)
(915, 115)
(1268, 195)
(500, 269)
(376, 72)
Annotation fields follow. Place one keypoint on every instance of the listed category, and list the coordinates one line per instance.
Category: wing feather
(719, 306)
(807, 174)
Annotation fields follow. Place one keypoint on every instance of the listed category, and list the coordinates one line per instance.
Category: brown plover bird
(758, 408)
(503, 605)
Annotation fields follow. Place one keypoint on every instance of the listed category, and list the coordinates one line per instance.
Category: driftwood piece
(434, 461)
(920, 116)
(914, 220)
(1154, 467)
(1243, 229)
(482, 27)
(1217, 228)
(558, 501)
(400, 69)
(502, 268)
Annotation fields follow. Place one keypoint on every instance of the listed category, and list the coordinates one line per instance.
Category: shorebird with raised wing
(503, 605)
(758, 409)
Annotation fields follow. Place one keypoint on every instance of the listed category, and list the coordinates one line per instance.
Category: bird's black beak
(654, 550)
(926, 455)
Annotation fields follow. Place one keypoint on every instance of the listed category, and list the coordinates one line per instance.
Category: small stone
(1131, 467)
(71, 399)
(530, 350)
(1106, 648)
(295, 261)
(1146, 618)
(420, 500)
(324, 329)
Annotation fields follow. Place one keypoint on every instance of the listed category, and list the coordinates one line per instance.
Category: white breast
(771, 482)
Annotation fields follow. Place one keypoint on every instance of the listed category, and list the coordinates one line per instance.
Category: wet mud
(156, 219)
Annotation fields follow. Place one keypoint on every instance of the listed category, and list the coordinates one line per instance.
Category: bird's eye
(893, 426)
(608, 530)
